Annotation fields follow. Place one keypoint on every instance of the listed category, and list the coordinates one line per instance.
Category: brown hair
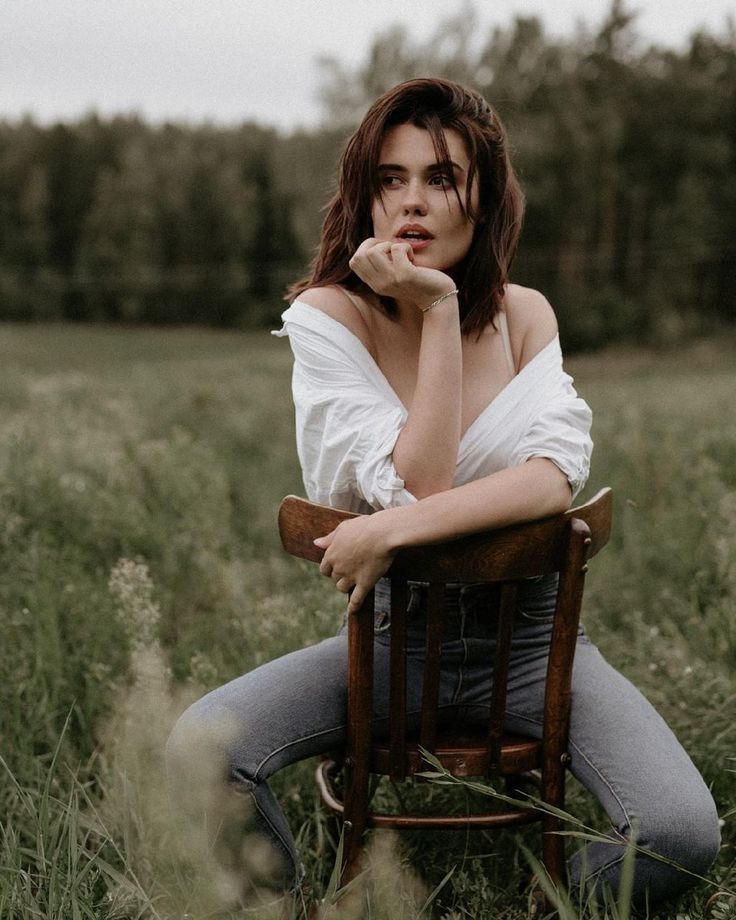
(434, 105)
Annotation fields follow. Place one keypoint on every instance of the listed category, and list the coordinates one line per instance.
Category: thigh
(283, 711)
(622, 749)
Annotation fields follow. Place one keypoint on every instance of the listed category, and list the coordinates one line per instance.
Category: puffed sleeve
(557, 425)
(347, 420)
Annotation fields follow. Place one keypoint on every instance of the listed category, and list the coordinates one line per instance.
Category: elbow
(554, 486)
(423, 477)
(426, 468)
(565, 496)
(424, 487)
(561, 493)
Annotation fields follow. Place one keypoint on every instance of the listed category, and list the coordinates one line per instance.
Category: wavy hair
(435, 105)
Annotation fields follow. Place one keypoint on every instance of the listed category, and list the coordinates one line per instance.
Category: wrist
(447, 297)
(385, 535)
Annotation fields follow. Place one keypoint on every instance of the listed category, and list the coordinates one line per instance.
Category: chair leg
(351, 864)
(553, 843)
(355, 819)
(553, 850)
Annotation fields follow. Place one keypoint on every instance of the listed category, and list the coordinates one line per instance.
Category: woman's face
(419, 205)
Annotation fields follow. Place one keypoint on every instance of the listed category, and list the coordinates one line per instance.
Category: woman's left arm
(359, 551)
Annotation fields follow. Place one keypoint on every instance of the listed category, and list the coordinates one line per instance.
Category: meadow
(140, 474)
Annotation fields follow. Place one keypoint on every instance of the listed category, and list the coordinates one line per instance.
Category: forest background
(626, 152)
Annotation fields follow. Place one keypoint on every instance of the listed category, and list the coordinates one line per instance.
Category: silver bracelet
(439, 300)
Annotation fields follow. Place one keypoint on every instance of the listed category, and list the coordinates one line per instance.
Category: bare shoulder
(531, 320)
(336, 303)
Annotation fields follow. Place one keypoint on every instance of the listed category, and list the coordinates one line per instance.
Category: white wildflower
(131, 585)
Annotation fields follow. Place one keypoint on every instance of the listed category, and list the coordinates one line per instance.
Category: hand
(388, 269)
(356, 555)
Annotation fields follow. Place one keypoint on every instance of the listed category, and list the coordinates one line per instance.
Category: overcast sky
(231, 60)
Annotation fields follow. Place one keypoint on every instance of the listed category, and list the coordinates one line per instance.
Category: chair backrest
(562, 543)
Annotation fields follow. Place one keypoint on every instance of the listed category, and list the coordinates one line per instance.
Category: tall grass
(140, 472)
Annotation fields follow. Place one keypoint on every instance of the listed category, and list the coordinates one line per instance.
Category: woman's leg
(626, 755)
(229, 742)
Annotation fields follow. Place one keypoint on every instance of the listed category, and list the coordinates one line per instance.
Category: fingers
(356, 599)
(389, 269)
(360, 262)
(324, 542)
(343, 583)
(366, 245)
(387, 256)
(402, 256)
(399, 250)
(352, 560)
(383, 264)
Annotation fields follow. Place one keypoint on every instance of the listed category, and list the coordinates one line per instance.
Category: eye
(441, 180)
(390, 181)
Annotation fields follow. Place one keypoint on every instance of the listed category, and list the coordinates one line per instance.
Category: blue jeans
(622, 750)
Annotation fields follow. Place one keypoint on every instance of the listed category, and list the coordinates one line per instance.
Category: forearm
(361, 549)
(425, 455)
(536, 489)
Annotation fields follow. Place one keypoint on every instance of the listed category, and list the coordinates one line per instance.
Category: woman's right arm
(426, 451)
(425, 455)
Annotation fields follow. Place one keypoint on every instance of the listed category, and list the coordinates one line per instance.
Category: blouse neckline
(499, 402)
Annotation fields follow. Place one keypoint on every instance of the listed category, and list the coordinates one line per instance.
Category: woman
(430, 391)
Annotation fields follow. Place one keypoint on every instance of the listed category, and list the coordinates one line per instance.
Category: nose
(415, 200)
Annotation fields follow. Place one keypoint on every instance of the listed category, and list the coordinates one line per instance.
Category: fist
(388, 269)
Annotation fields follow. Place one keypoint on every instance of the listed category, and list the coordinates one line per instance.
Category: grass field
(140, 472)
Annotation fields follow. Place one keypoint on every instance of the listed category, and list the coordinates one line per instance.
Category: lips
(414, 233)
(417, 236)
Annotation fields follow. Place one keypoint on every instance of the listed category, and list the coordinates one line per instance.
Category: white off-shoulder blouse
(348, 419)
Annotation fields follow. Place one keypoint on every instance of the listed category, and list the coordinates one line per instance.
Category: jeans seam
(325, 731)
(276, 833)
(456, 695)
(590, 763)
(289, 744)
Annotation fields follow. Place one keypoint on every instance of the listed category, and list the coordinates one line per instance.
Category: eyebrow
(397, 167)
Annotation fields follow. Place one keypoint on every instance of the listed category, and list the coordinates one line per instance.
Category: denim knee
(687, 831)
(225, 806)
(198, 758)
(688, 835)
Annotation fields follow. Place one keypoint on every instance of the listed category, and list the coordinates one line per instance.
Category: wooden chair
(563, 544)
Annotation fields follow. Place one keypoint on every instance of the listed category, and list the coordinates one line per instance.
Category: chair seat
(464, 752)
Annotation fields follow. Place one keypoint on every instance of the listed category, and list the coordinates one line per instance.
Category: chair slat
(431, 681)
(360, 723)
(397, 699)
(506, 614)
(558, 692)
(558, 688)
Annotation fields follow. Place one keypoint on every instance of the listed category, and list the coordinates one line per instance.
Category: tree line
(626, 153)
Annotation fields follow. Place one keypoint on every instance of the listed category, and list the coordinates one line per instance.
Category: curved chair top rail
(518, 551)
